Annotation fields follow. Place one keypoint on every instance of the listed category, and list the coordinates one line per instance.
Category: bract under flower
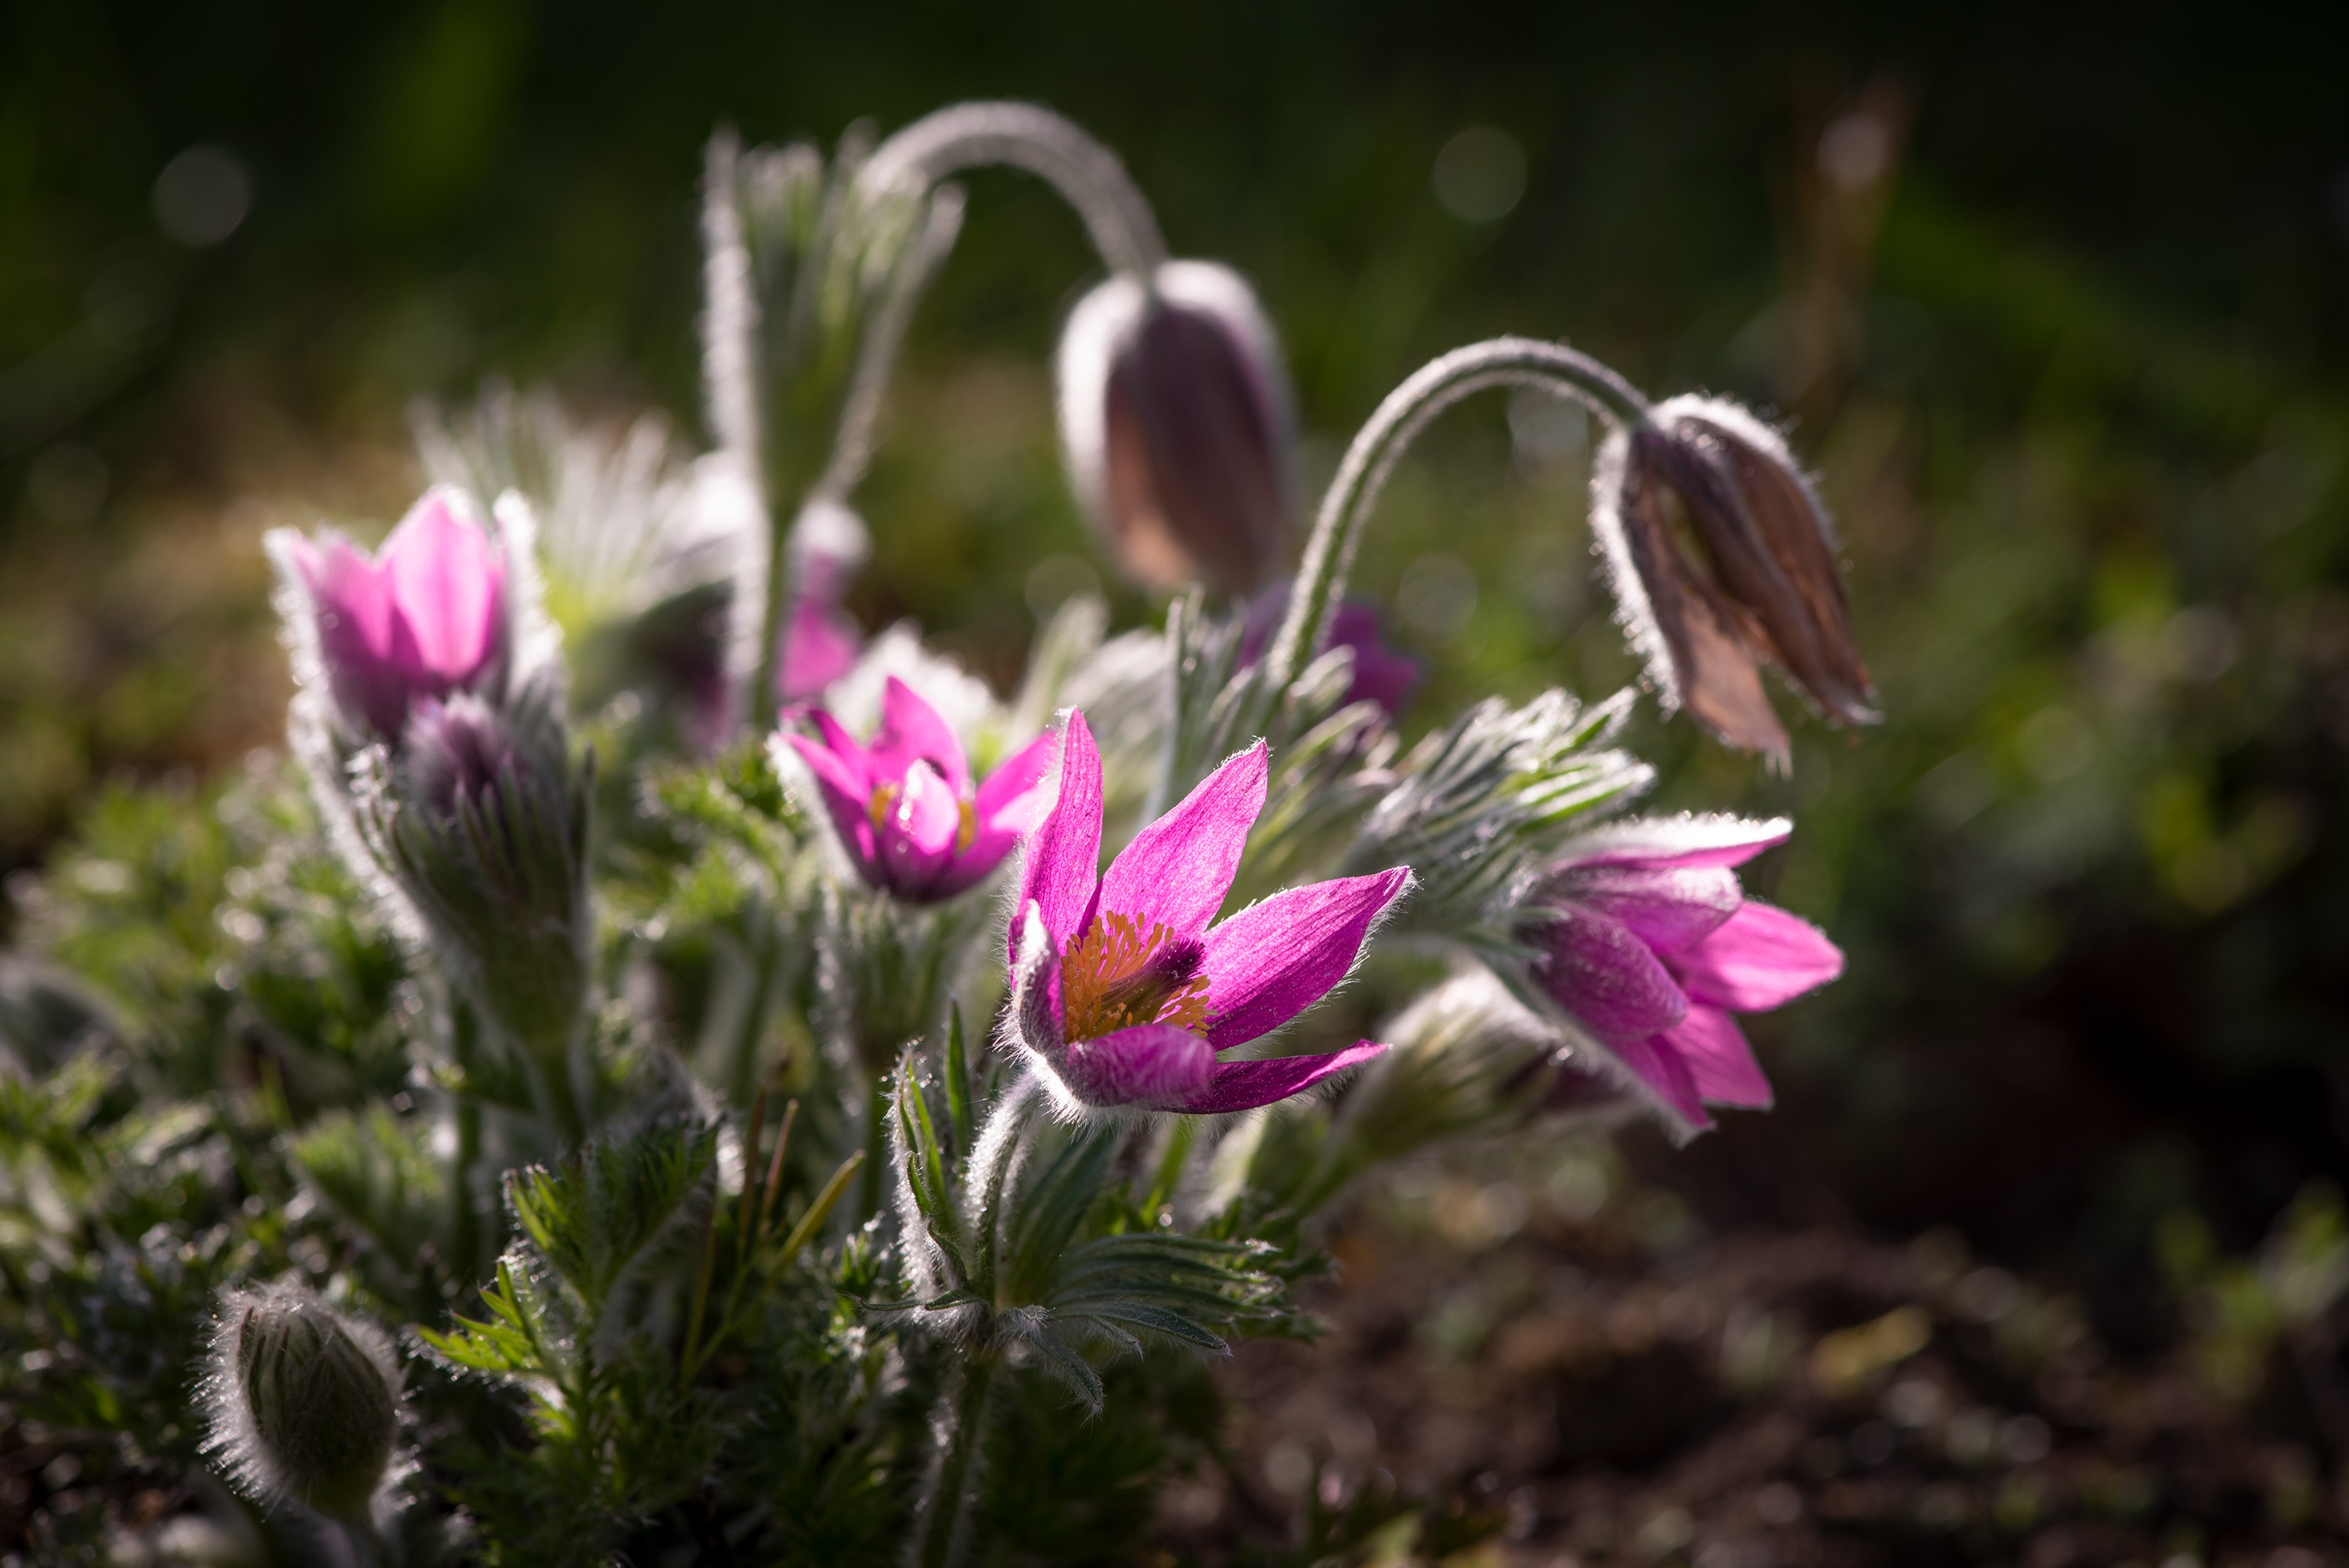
(1648, 941)
(423, 618)
(905, 806)
(1124, 985)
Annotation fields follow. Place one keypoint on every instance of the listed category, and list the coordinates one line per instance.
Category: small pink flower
(1125, 986)
(1381, 674)
(422, 618)
(1651, 944)
(904, 805)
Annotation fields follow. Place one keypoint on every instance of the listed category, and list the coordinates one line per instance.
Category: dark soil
(1769, 1396)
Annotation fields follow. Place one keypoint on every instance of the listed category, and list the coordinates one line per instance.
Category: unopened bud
(1757, 581)
(304, 1402)
(484, 828)
(1178, 426)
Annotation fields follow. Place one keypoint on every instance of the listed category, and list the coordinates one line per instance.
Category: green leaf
(594, 1211)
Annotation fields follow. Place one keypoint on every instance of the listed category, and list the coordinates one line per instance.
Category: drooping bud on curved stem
(1026, 136)
(1756, 581)
(1179, 428)
(304, 1402)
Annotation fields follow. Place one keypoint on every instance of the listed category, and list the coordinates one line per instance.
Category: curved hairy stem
(1087, 175)
(1408, 410)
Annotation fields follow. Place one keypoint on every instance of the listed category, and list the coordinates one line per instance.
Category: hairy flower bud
(304, 1402)
(1752, 579)
(484, 827)
(1177, 422)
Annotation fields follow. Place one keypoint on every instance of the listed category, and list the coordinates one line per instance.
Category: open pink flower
(1650, 943)
(422, 618)
(905, 805)
(1124, 992)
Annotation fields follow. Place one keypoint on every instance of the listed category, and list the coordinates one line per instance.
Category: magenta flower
(904, 805)
(1124, 992)
(422, 618)
(1650, 943)
(1381, 674)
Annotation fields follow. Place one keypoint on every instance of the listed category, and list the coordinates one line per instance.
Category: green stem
(1408, 409)
(951, 1483)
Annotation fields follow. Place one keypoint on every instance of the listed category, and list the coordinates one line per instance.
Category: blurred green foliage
(2070, 364)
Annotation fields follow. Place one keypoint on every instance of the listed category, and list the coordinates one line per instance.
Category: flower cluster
(1052, 986)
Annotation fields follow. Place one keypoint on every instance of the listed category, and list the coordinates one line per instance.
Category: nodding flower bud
(1756, 580)
(1178, 427)
(423, 618)
(304, 1402)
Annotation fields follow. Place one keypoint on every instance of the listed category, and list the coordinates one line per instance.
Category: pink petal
(1762, 956)
(1177, 870)
(1606, 976)
(917, 833)
(819, 646)
(1244, 1086)
(1010, 803)
(1684, 840)
(1667, 908)
(448, 584)
(844, 796)
(1719, 1060)
(1273, 960)
(1665, 1072)
(1150, 1064)
(1035, 984)
(853, 757)
(910, 731)
(1022, 783)
(1063, 863)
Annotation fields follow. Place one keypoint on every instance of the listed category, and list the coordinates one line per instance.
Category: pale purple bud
(1751, 578)
(1179, 428)
(457, 751)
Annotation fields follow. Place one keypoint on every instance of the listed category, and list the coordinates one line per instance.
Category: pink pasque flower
(1124, 992)
(1650, 942)
(1381, 674)
(422, 618)
(905, 805)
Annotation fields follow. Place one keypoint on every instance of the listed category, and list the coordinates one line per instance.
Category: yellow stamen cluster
(1108, 982)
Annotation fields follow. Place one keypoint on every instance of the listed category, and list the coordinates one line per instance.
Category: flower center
(1118, 975)
(877, 810)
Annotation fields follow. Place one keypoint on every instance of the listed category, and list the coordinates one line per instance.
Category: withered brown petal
(1195, 482)
(1714, 645)
(1815, 641)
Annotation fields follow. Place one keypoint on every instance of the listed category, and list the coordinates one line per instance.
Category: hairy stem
(951, 1483)
(1089, 177)
(1371, 459)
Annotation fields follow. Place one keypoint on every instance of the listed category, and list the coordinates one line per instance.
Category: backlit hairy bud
(1178, 420)
(1751, 578)
(304, 1402)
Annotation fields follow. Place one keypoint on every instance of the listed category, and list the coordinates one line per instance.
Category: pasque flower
(1125, 985)
(1646, 939)
(1176, 418)
(1765, 585)
(423, 618)
(820, 640)
(905, 806)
